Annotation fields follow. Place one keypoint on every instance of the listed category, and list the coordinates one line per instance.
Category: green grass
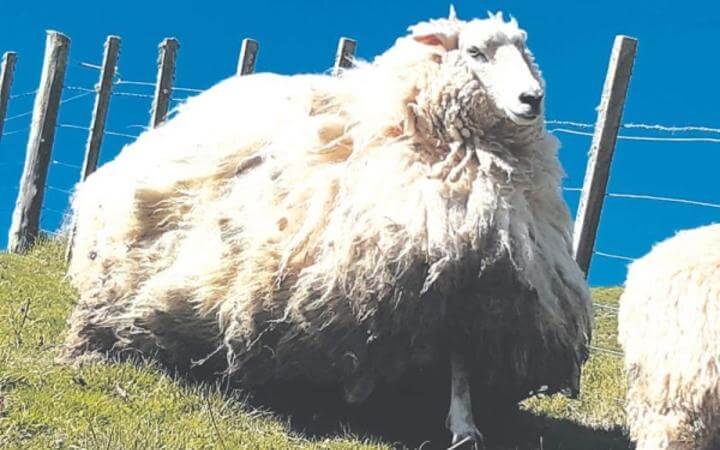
(48, 405)
(600, 405)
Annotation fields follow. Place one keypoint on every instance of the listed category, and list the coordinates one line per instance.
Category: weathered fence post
(99, 115)
(602, 149)
(164, 84)
(248, 56)
(102, 102)
(344, 55)
(7, 69)
(26, 217)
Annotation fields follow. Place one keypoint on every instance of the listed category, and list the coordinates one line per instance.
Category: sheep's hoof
(470, 439)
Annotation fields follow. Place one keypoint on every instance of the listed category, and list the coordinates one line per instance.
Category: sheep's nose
(532, 99)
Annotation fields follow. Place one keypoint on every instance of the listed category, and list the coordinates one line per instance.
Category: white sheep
(346, 229)
(669, 328)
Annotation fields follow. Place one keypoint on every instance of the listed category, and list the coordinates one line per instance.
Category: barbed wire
(120, 81)
(23, 94)
(671, 129)
(644, 126)
(80, 88)
(84, 128)
(131, 94)
(640, 138)
(62, 102)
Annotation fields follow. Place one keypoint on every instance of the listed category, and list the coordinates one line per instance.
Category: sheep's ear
(442, 33)
(436, 39)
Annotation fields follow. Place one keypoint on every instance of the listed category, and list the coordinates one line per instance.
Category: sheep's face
(495, 52)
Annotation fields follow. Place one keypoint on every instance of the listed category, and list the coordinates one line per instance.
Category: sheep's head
(494, 51)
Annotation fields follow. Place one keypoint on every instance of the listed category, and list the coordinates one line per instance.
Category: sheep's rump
(669, 328)
(273, 242)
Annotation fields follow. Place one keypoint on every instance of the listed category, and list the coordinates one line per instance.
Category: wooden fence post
(26, 217)
(344, 55)
(164, 84)
(602, 149)
(7, 69)
(248, 56)
(99, 116)
(102, 102)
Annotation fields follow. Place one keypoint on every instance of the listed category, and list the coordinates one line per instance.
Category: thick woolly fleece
(336, 229)
(669, 327)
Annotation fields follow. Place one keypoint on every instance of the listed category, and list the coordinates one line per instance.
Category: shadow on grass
(411, 414)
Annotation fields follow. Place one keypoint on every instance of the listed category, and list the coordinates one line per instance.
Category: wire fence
(660, 133)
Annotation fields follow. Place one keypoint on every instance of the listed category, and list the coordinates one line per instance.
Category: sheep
(668, 328)
(346, 230)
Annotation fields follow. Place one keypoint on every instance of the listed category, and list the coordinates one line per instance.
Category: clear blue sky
(675, 83)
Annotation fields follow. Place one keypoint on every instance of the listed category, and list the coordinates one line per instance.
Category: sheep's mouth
(524, 118)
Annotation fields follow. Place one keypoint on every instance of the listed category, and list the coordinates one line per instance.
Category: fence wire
(106, 132)
(64, 191)
(643, 126)
(665, 199)
(64, 164)
(607, 351)
(23, 94)
(131, 94)
(10, 133)
(56, 211)
(87, 65)
(120, 82)
(640, 138)
(614, 256)
(62, 102)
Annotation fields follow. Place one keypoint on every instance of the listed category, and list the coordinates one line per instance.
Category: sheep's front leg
(460, 420)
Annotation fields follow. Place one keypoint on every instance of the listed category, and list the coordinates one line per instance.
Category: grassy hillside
(47, 405)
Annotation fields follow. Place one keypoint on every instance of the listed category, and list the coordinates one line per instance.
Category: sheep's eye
(476, 53)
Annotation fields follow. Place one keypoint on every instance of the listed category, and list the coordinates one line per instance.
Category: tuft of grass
(138, 406)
